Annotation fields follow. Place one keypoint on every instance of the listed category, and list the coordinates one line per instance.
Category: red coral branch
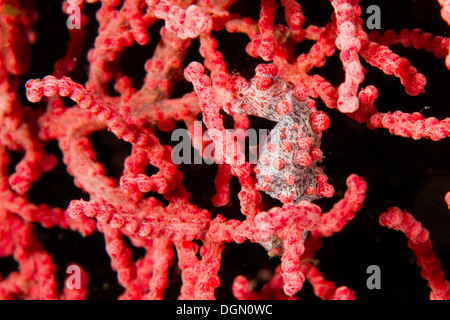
(420, 244)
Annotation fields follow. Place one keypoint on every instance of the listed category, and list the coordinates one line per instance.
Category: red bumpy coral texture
(282, 90)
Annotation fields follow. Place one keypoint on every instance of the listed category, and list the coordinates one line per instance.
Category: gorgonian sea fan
(91, 91)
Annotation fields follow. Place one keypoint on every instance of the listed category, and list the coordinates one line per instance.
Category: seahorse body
(287, 166)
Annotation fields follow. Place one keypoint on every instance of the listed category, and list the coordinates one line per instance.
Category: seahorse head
(265, 95)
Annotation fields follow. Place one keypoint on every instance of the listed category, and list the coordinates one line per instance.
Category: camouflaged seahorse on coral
(287, 166)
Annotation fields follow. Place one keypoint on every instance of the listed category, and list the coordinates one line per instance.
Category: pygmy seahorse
(288, 160)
